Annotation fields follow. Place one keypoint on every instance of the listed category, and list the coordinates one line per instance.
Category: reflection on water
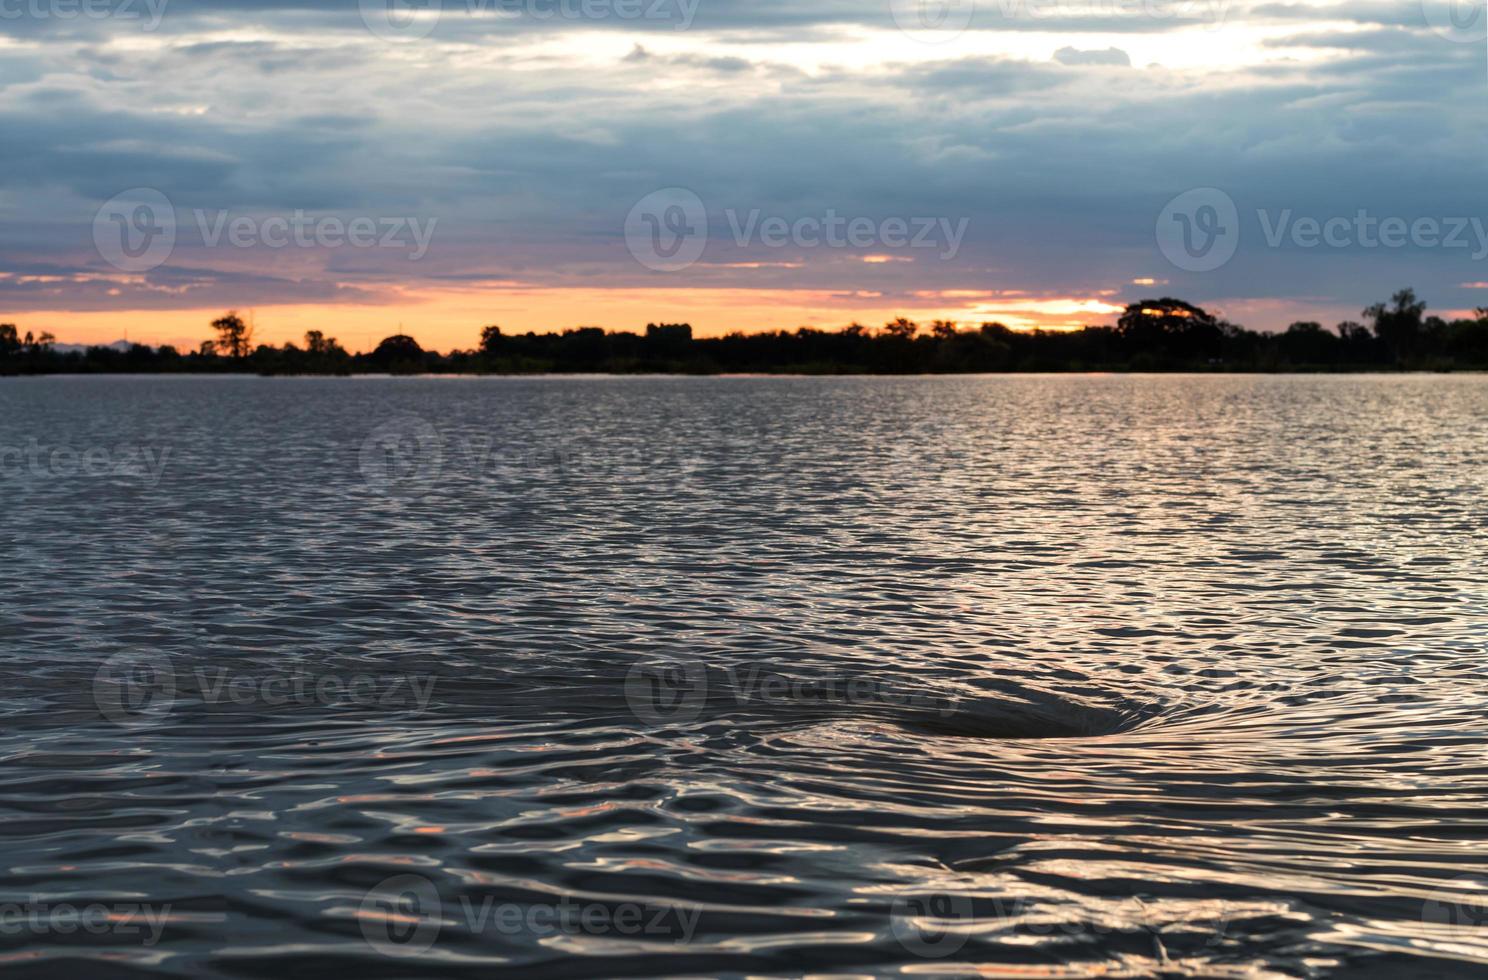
(593, 677)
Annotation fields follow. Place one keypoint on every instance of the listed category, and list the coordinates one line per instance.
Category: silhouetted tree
(1170, 327)
(1398, 326)
(400, 354)
(1160, 334)
(398, 345)
(1308, 342)
(901, 327)
(490, 341)
(234, 336)
(10, 349)
(1466, 341)
(668, 339)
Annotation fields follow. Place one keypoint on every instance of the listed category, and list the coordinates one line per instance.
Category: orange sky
(452, 319)
(1045, 156)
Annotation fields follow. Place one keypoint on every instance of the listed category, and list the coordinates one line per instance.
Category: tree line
(1164, 334)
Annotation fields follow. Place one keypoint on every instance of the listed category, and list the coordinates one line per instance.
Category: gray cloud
(1108, 56)
(530, 157)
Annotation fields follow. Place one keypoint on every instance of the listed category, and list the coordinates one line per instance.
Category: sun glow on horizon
(452, 319)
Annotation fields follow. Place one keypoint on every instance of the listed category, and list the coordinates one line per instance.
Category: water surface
(1019, 676)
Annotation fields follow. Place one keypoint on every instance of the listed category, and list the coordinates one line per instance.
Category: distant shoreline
(1156, 336)
(1361, 371)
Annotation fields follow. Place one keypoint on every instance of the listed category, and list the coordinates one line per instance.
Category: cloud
(725, 64)
(529, 141)
(1110, 56)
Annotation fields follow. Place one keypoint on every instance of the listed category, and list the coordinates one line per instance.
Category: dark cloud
(529, 140)
(1108, 56)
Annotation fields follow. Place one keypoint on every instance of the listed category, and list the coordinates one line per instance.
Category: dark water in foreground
(1036, 676)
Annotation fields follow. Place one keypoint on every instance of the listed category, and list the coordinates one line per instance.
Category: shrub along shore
(1154, 335)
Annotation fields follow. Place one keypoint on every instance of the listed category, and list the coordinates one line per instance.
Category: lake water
(586, 677)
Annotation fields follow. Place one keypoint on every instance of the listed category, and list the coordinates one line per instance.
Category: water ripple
(1059, 676)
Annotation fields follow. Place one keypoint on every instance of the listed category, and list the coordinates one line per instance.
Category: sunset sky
(522, 136)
